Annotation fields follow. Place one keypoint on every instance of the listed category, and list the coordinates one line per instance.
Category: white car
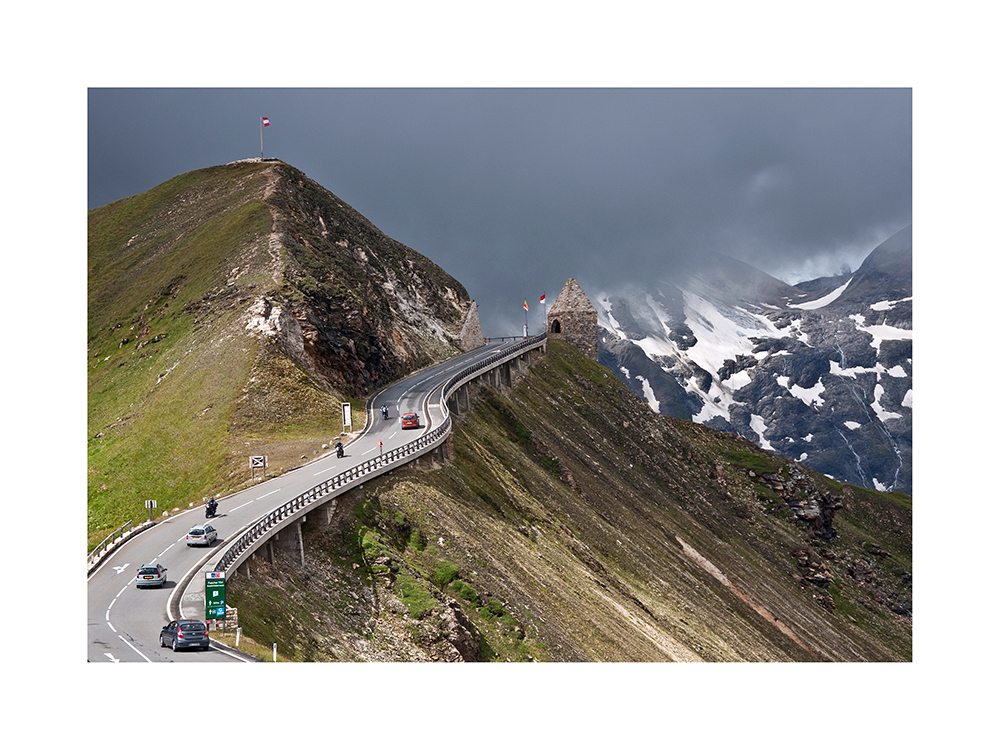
(151, 575)
(203, 535)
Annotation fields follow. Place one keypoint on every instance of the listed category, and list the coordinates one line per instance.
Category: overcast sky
(514, 190)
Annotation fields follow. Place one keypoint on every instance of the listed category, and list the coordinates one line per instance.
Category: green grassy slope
(168, 360)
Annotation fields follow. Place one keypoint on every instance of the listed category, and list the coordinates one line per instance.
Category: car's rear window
(192, 626)
(148, 571)
(196, 532)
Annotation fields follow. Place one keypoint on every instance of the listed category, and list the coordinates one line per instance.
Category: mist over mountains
(820, 372)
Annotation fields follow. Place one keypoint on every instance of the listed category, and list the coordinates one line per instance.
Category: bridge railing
(267, 524)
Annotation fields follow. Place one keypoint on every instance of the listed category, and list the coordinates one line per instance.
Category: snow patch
(882, 413)
(808, 396)
(880, 333)
(647, 392)
(824, 301)
(889, 305)
(757, 425)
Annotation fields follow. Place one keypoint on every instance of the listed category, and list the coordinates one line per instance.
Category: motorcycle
(210, 509)
(385, 412)
(340, 450)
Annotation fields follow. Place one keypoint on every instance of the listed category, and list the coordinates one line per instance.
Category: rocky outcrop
(354, 308)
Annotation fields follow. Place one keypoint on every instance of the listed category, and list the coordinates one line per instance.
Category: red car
(410, 420)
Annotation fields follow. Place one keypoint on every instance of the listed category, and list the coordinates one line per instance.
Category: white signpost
(257, 462)
(348, 422)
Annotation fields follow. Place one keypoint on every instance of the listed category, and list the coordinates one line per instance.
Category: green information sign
(215, 596)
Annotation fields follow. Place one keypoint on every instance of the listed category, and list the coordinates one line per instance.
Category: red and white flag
(542, 299)
(265, 121)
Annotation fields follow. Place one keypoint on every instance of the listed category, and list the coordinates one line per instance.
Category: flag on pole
(526, 305)
(542, 299)
(265, 121)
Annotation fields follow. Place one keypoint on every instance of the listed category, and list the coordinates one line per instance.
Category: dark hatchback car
(185, 634)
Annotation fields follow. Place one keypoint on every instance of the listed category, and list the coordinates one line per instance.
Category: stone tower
(573, 319)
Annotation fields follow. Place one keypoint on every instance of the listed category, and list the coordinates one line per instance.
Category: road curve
(124, 622)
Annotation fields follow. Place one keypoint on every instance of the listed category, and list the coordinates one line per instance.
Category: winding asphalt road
(124, 622)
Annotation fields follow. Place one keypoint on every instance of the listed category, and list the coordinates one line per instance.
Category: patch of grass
(444, 573)
(466, 592)
(417, 599)
(417, 541)
(755, 462)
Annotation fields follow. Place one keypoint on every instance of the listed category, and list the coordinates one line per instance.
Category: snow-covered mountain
(820, 372)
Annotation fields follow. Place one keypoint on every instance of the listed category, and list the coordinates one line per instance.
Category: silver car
(151, 575)
(202, 535)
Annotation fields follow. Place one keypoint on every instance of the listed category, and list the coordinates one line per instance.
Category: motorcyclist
(385, 411)
(340, 449)
(211, 507)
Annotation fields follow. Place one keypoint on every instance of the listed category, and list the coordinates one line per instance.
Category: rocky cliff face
(820, 373)
(354, 307)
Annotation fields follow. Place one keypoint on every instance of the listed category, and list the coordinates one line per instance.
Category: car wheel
(174, 644)
(162, 644)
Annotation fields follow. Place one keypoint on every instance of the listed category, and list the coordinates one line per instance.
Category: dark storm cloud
(513, 191)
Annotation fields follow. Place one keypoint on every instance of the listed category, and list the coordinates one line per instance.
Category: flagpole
(262, 139)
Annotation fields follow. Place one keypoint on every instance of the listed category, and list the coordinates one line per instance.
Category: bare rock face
(353, 308)
(472, 331)
(459, 631)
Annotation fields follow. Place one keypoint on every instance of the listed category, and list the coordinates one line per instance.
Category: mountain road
(124, 622)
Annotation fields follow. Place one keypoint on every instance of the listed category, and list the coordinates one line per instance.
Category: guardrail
(266, 525)
(109, 540)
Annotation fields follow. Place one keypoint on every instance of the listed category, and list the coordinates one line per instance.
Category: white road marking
(113, 659)
(120, 568)
(135, 649)
(249, 502)
(263, 496)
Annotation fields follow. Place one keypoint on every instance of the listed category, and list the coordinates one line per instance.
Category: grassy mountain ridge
(573, 524)
(230, 311)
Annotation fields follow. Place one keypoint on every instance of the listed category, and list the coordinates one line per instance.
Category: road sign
(215, 595)
(348, 421)
(258, 462)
